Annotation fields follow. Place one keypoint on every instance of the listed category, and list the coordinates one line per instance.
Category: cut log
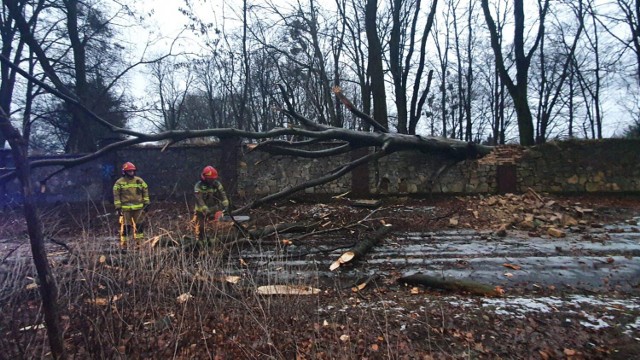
(371, 204)
(286, 290)
(468, 286)
(362, 248)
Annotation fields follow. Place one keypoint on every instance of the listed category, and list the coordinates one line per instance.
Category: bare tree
(628, 15)
(375, 69)
(7, 76)
(464, 74)
(403, 37)
(48, 287)
(555, 71)
(351, 14)
(590, 76)
(498, 101)
(442, 43)
(172, 81)
(518, 89)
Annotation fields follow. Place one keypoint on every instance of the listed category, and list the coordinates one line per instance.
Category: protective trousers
(200, 220)
(131, 224)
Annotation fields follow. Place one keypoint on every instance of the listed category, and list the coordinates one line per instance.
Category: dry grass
(132, 305)
(168, 302)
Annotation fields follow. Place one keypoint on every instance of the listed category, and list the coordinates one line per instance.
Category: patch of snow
(633, 326)
(593, 322)
(525, 305)
(610, 304)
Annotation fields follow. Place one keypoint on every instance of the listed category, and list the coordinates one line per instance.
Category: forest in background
(490, 72)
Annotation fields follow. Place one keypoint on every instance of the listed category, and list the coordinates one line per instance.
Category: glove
(146, 207)
(119, 211)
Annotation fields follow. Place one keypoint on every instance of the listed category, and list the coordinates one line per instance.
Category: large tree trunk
(395, 66)
(376, 72)
(48, 288)
(81, 138)
(517, 89)
(525, 119)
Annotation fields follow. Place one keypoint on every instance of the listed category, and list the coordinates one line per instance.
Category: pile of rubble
(532, 212)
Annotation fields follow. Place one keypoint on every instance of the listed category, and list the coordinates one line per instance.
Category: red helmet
(209, 173)
(127, 167)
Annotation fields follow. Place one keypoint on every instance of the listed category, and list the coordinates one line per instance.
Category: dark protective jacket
(210, 195)
(130, 193)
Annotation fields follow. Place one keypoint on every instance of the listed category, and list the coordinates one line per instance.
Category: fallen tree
(381, 140)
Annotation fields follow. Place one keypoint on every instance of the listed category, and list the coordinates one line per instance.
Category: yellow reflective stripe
(117, 203)
(132, 207)
(201, 208)
(133, 185)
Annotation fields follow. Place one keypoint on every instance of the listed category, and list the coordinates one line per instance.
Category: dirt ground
(383, 318)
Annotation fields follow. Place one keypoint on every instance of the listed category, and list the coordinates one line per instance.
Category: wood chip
(556, 232)
(286, 290)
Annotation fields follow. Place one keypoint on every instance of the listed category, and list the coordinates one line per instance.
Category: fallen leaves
(101, 301)
(184, 298)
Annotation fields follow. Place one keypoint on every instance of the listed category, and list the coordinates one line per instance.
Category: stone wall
(611, 165)
(87, 182)
(261, 174)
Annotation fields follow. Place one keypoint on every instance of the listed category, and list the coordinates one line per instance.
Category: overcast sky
(167, 24)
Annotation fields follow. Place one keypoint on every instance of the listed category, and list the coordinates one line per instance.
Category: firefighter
(211, 200)
(130, 198)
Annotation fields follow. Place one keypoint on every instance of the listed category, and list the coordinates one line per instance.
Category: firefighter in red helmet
(130, 198)
(210, 200)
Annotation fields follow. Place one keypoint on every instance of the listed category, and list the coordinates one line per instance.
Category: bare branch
(312, 154)
(368, 119)
(69, 98)
(338, 172)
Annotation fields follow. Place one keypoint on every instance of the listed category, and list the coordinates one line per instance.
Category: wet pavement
(593, 260)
